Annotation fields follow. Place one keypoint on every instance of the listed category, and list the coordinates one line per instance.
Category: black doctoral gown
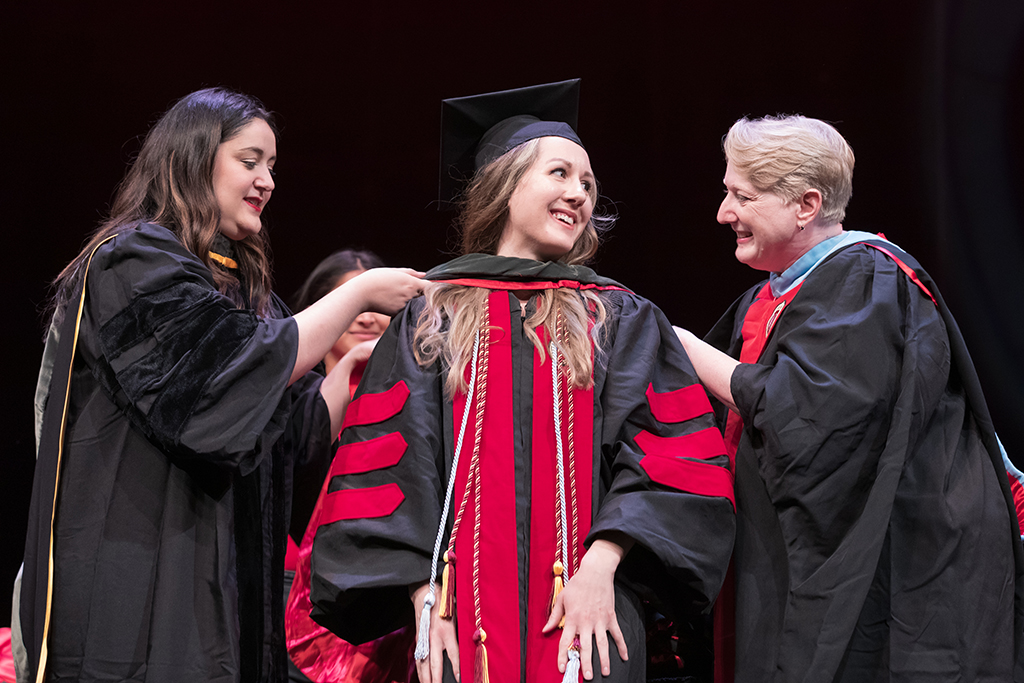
(655, 469)
(180, 444)
(876, 539)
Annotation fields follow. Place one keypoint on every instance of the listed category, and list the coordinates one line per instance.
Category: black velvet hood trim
(223, 246)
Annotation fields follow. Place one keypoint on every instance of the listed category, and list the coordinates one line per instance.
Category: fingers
(556, 616)
(361, 352)
(436, 660)
(586, 655)
(452, 648)
(443, 638)
(620, 640)
(563, 648)
(598, 638)
(601, 639)
(412, 271)
(423, 670)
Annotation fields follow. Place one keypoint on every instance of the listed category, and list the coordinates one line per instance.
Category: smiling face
(552, 203)
(366, 326)
(768, 236)
(243, 178)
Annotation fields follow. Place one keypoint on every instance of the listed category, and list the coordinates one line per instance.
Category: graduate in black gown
(589, 470)
(180, 401)
(876, 536)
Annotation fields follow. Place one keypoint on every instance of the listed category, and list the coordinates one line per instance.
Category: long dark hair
(325, 276)
(171, 183)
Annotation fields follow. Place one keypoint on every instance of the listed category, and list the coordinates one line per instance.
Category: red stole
(495, 508)
(758, 324)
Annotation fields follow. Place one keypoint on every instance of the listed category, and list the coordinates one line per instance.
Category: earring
(800, 226)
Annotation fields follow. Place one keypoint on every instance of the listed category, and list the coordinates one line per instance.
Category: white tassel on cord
(423, 637)
(572, 667)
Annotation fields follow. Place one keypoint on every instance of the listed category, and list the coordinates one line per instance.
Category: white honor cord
(423, 639)
(559, 466)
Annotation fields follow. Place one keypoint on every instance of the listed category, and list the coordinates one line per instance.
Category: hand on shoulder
(387, 290)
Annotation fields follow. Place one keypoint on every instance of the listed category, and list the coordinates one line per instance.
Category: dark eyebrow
(257, 150)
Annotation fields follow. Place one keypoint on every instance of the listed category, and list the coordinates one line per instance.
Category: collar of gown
(509, 269)
(815, 256)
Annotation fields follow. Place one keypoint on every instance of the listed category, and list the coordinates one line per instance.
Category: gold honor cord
(41, 668)
(224, 260)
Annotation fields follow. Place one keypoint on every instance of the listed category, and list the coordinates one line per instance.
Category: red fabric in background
(6, 657)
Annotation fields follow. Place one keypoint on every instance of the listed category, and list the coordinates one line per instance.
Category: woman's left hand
(588, 604)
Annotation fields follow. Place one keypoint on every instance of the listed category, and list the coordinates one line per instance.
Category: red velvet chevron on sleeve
(679, 405)
(371, 408)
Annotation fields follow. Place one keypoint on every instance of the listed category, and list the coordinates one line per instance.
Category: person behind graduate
(529, 451)
(316, 653)
(368, 326)
(876, 536)
(181, 402)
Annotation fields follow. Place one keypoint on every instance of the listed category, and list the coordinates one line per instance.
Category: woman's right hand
(360, 353)
(442, 639)
(387, 290)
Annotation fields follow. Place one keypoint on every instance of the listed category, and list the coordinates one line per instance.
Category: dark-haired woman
(547, 493)
(329, 274)
(180, 404)
(316, 653)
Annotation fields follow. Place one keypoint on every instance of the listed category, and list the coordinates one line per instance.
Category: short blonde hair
(788, 155)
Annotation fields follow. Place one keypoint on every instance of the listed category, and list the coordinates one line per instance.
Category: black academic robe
(655, 469)
(181, 440)
(876, 538)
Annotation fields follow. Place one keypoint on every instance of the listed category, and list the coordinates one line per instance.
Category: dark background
(929, 95)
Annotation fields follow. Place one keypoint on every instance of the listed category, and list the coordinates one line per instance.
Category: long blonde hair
(573, 319)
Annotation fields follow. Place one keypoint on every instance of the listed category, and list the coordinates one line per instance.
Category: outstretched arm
(713, 367)
(335, 387)
(384, 290)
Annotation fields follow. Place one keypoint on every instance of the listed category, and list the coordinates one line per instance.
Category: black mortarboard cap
(478, 129)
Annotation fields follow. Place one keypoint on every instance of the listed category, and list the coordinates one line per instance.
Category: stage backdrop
(929, 94)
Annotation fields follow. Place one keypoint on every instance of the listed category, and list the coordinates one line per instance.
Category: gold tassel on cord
(559, 583)
(557, 587)
(447, 608)
(480, 674)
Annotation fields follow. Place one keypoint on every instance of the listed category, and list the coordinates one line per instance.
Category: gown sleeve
(202, 378)
(823, 409)
(665, 478)
(382, 495)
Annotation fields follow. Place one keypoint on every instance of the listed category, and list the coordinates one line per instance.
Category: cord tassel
(480, 674)
(558, 585)
(447, 610)
(423, 639)
(572, 667)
